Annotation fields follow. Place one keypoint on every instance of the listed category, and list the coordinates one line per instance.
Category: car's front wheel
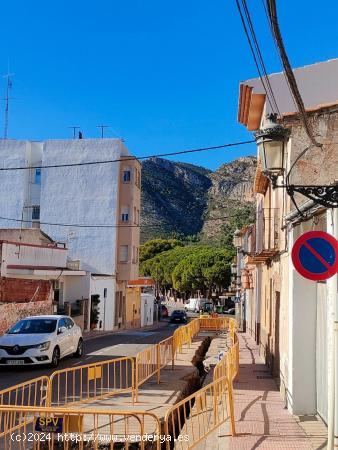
(55, 357)
(79, 350)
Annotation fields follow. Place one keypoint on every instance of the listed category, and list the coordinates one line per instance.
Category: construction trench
(175, 407)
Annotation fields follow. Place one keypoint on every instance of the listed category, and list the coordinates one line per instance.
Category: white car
(40, 340)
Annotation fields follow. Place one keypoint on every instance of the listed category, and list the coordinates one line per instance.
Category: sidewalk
(98, 333)
(262, 422)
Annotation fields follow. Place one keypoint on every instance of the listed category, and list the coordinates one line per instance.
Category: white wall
(14, 184)
(106, 305)
(27, 255)
(83, 194)
(76, 287)
(302, 338)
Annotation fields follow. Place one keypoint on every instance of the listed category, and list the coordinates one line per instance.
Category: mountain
(180, 199)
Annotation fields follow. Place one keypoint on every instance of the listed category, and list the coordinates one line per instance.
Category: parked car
(163, 311)
(41, 340)
(178, 315)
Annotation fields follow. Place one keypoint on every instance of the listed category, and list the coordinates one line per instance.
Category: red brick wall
(19, 290)
(12, 312)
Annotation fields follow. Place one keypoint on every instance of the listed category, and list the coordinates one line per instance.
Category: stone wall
(12, 312)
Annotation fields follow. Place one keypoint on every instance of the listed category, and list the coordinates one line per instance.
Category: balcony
(261, 240)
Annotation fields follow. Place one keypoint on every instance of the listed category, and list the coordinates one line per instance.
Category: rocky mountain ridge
(180, 199)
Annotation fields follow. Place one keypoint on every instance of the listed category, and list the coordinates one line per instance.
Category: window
(36, 212)
(126, 175)
(125, 214)
(105, 293)
(137, 176)
(124, 253)
(37, 179)
(69, 323)
(135, 216)
(62, 323)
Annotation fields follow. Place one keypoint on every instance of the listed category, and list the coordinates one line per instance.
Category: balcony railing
(261, 240)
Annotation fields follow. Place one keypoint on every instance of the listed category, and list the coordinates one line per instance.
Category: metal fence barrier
(195, 417)
(34, 392)
(92, 381)
(61, 428)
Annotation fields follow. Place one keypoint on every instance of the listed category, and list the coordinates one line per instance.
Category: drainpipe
(332, 228)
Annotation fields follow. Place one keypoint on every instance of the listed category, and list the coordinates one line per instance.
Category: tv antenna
(9, 84)
(74, 131)
(102, 129)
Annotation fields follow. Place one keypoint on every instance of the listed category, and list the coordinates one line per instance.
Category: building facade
(93, 209)
(292, 318)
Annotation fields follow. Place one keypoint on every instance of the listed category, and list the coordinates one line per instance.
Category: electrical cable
(272, 12)
(259, 53)
(78, 225)
(131, 158)
(277, 50)
(254, 55)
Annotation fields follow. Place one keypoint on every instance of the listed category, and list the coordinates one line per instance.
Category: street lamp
(237, 239)
(271, 142)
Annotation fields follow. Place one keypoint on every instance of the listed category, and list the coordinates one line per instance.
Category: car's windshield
(32, 326)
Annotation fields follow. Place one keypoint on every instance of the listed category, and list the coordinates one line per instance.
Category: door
(321, 352)
(72, 335)
(63, 338)
(276, 355)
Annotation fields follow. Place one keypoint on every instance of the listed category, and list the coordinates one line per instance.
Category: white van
(194, 304)
(191, 304)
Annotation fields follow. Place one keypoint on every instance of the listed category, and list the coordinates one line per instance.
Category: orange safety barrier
(195, 416)
(77, 428)
(34, 392)
(199, 414)
(92, 381)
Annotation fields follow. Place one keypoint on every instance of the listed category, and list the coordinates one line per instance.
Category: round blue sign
(315, 255)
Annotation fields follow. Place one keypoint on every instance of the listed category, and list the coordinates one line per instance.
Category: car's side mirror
(62, 330)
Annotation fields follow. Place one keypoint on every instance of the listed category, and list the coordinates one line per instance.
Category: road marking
(81, 362)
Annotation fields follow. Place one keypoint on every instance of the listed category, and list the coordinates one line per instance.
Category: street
(95, 349)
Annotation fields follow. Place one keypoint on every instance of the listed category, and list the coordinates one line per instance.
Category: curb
(109, 333)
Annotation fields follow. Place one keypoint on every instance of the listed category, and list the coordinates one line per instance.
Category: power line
(245, 28)
(81, 225)
(259, 53)
(131, 158)
(272, 12)
(277, 50)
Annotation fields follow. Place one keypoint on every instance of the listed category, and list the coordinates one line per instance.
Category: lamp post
(271, 142)
(236, 271)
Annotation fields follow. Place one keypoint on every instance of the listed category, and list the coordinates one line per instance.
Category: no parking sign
(315, 255)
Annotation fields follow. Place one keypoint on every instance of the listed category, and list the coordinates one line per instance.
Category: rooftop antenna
(7, 98)
(74, 131)
(102, 129)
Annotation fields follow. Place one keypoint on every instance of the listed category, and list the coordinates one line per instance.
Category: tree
(203, 270)
(191, 268)
(156, 246)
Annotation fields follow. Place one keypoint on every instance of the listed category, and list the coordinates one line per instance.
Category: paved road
(96, 349)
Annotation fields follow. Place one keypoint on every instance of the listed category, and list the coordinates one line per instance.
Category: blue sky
(164, 75)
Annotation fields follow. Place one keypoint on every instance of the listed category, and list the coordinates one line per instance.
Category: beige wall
(129, 197)
(133, 305)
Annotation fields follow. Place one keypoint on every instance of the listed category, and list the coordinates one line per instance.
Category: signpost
(315, 255)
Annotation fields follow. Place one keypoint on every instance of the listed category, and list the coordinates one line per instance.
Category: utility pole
(102, 129)
(74, 128)
(7, 98)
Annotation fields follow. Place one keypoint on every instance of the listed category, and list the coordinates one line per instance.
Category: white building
(104, 196)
